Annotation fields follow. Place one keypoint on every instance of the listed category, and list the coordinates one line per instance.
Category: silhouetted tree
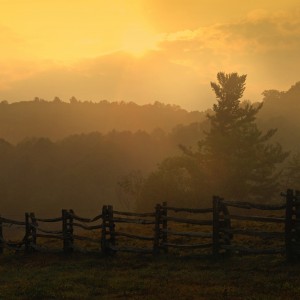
(73, 100)
(238, 156)
(234, 159)
(57, 100)
(177, 180)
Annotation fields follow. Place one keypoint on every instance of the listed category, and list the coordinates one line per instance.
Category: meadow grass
(176, 275)
(132, 276)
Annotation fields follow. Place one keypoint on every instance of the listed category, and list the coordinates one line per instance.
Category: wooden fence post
(216, 226)
(165, 226)
(64, 230)
(67, 230)
(70, 230)
(289, 224)
(104, 232)
(27, 233)
(157, 229)
(1, 237)
(226, 225)
(33, 225)
(111, 224)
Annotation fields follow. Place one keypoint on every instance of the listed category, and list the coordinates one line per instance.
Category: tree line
(231, 152)
(58, 119)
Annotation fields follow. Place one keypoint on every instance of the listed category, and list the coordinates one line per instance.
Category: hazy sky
(145, 50)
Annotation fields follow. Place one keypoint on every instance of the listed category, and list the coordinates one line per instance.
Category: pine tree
(240, 160)
(234, 160)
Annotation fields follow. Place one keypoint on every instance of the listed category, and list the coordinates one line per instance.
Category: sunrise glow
(145, 50)
(138, 40)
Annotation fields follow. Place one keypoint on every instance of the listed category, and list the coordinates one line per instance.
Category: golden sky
(145, 50)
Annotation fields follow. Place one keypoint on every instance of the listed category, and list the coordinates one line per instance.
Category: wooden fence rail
(227, 232)
(216, 227)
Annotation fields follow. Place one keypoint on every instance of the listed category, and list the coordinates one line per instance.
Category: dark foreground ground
(130, 276)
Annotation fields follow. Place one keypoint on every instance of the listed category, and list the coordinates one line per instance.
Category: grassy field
(132, 276)
(177, 275)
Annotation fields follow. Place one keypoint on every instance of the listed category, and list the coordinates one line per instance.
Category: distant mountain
(58, 119)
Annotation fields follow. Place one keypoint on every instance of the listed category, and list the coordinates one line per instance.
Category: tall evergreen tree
(234, 160)
(239, 158)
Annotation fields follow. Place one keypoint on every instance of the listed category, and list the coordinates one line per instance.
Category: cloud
(115, 77)
(16, 61)
(259, 33)
(15, 71)
(264, 45)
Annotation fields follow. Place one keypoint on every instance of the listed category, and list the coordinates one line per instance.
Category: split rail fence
(217, 229)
